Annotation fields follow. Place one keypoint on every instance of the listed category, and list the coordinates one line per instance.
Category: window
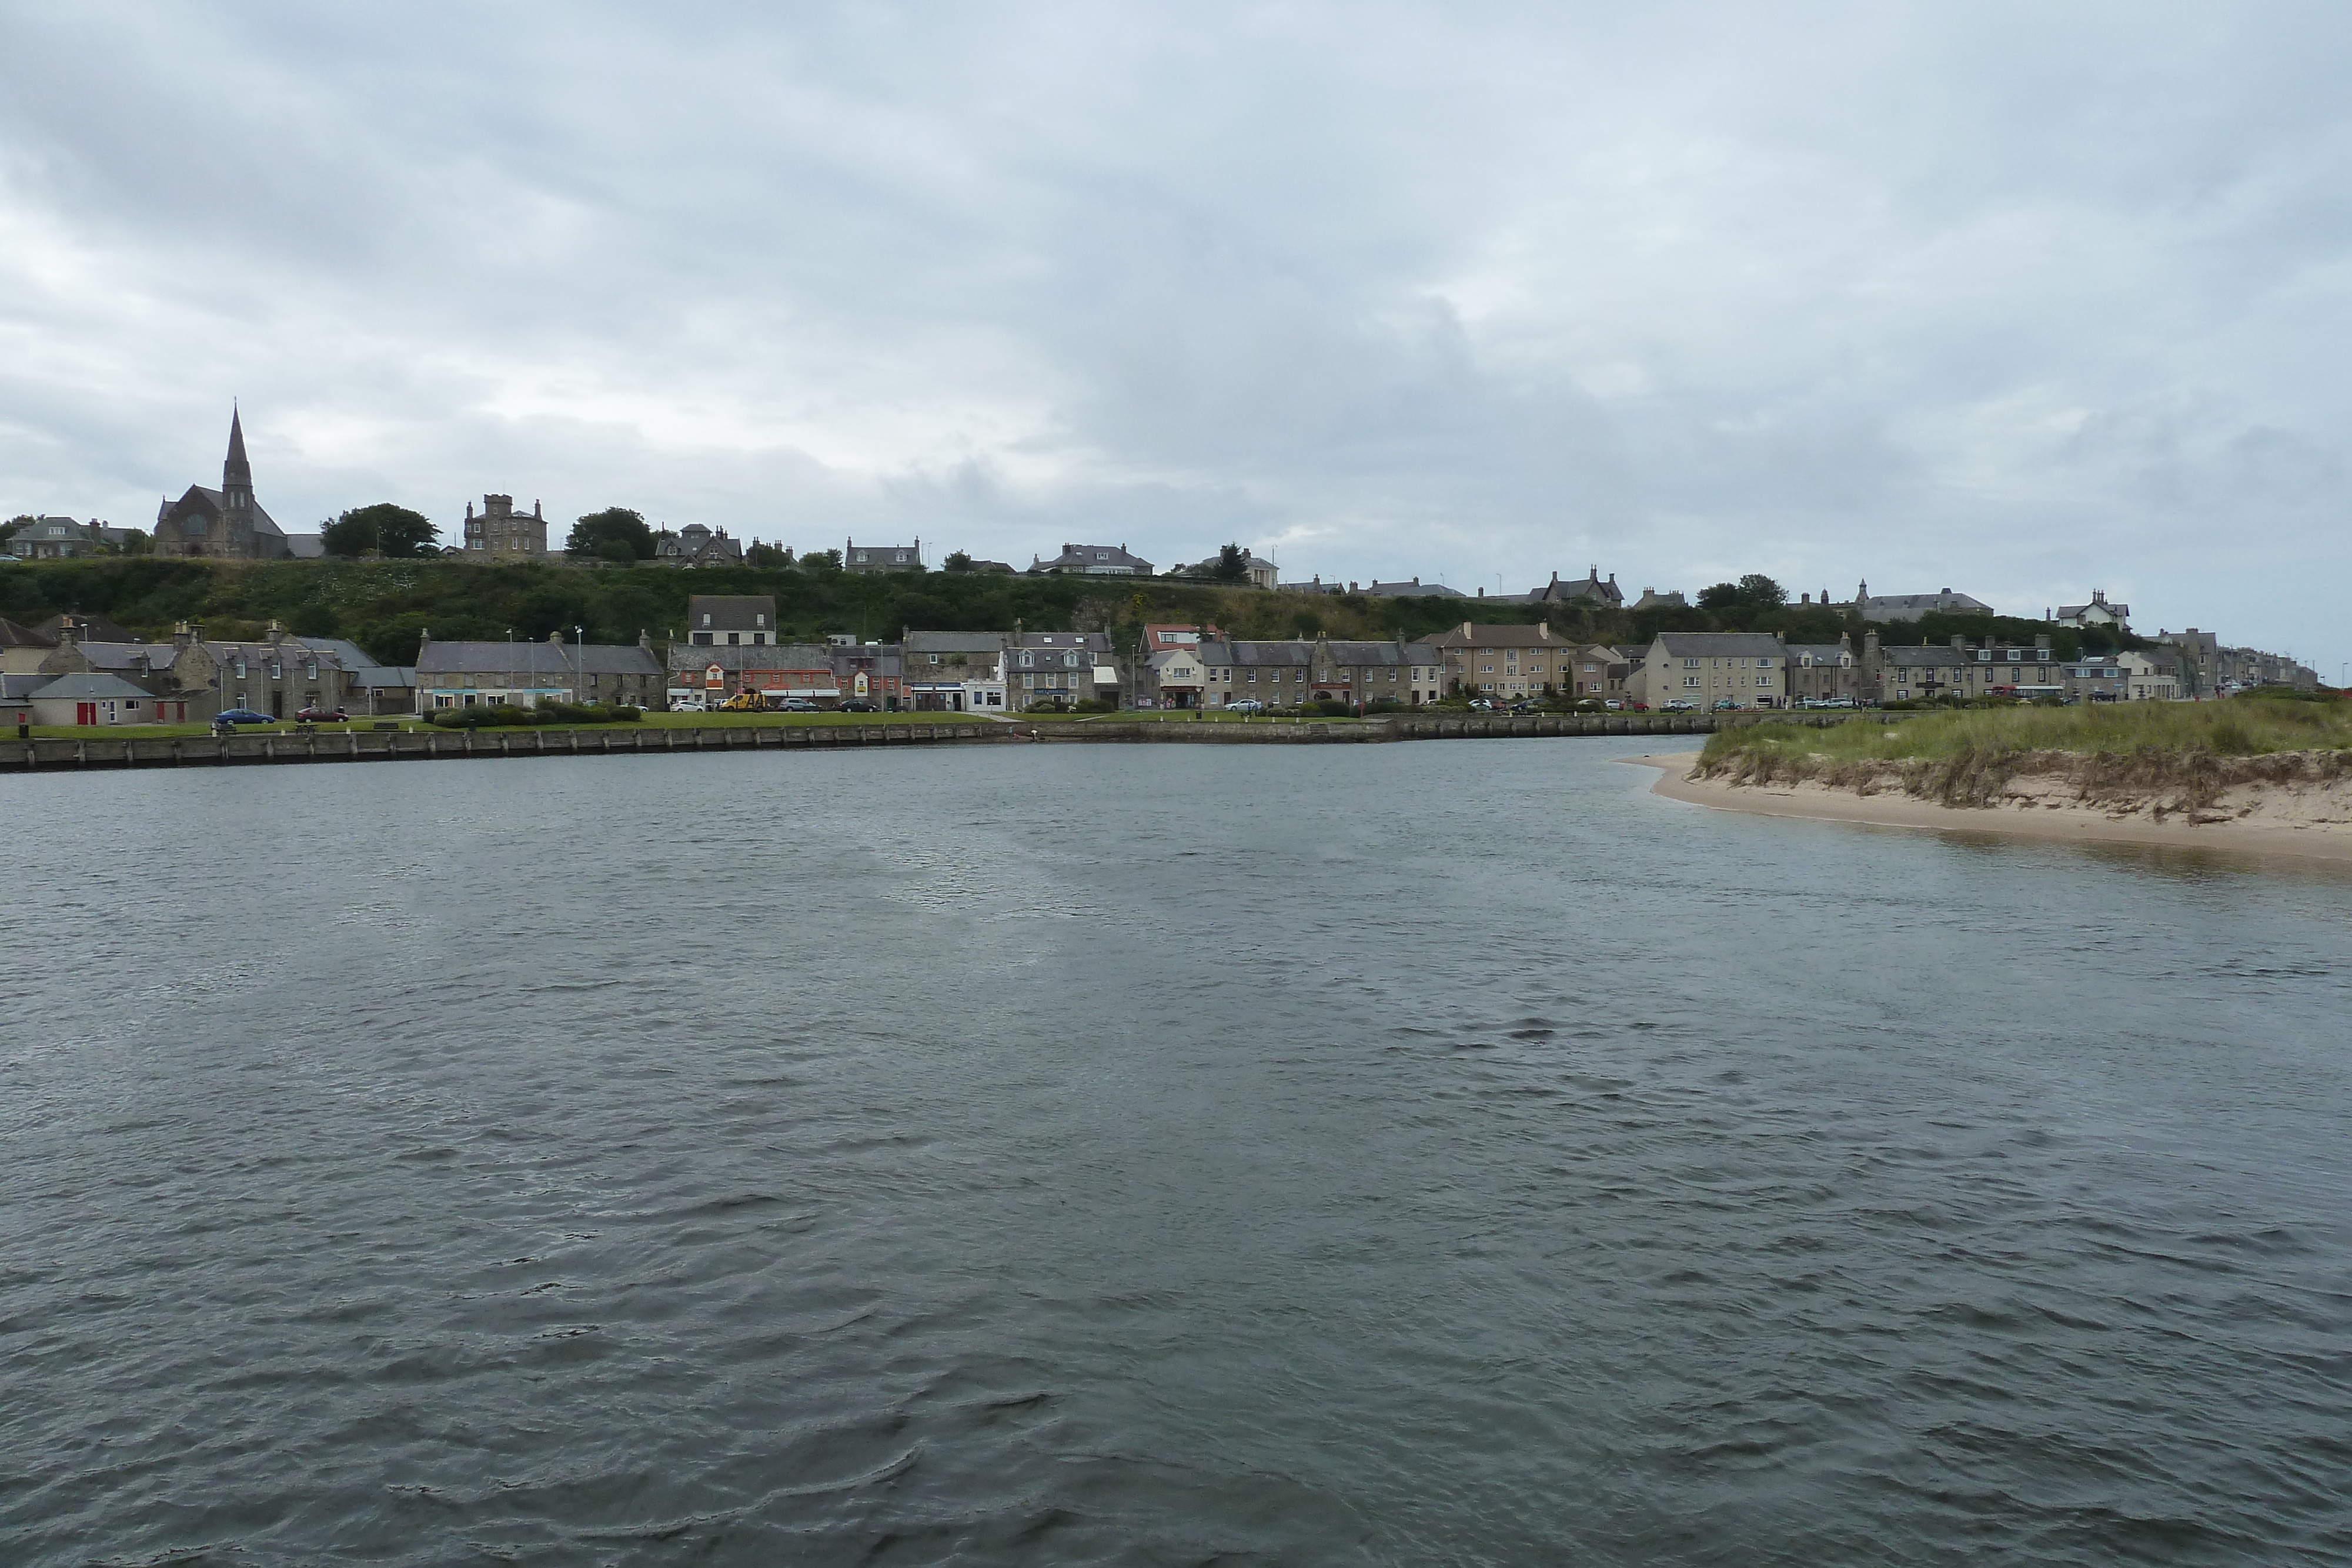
(1690, 679)
(705, 619)
(760, 618)
(861, 557)
(734, 639)
(1070, 661)
(935, 658)
(1026, 659)
(1690, 664)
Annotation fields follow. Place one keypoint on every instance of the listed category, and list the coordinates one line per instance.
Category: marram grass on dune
(1967, 757)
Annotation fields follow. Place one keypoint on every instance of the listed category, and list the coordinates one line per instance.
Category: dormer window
(760, 618)
(706, 618)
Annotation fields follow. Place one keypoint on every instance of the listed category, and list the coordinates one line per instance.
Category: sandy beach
(2310, 824)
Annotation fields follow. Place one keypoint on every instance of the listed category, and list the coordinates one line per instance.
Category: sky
(2017, 299)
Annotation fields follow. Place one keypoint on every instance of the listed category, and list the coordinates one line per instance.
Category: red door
(85, 713)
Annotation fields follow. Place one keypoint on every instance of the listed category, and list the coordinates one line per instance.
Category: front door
(277, 704)
(85, 713)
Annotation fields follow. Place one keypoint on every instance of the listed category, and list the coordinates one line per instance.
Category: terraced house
(1283, 675)
(1505, 661)
(1958, 669)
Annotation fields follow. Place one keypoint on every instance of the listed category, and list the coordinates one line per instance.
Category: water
(1436, 1153)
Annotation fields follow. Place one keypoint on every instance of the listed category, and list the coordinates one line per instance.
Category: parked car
(323, 715)
(859, 705)
(243, 716)
(798, 705)
(1482, 704)
(1678, 704)
(1247, 705)
(690, 705)
(1726, 703)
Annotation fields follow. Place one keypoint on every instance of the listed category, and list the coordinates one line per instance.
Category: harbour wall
(357, 745)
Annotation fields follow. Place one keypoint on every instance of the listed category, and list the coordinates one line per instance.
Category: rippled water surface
(1436, 1153)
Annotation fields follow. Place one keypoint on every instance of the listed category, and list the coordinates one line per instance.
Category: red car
(323, 715)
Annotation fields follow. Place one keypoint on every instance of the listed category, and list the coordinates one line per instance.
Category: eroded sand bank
(2312, 824)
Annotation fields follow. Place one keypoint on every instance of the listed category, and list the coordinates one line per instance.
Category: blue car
(243, 716)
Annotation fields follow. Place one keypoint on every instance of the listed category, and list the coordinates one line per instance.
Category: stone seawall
(430, 744)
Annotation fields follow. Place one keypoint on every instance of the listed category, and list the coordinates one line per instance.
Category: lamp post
(579, 659)
(511, 663)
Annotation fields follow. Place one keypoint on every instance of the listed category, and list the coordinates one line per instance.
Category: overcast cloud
(2020, 300)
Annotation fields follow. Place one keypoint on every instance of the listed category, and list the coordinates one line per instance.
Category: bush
(1094, 704)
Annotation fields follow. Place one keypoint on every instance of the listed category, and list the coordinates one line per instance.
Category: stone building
(696, 545)
(855, 557)
(1602, 595)
(730, 619)
(1285, 675)
(501, 533)
(526, 674)
(1824, 672)
(1503, 661)
(714, 672)
(62, 538)
(1047, 667)
(953, 671)
(1094, 561)
(226, 524)
(193, 677)
(1707, 669)
(1959, 669)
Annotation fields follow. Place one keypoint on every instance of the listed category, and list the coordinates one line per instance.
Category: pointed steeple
(236, 473)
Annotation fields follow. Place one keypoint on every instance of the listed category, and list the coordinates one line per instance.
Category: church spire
(236, 473)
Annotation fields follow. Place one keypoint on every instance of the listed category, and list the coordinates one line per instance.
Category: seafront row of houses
(78, 670)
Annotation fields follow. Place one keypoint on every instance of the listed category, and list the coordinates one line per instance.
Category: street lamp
(578, 659)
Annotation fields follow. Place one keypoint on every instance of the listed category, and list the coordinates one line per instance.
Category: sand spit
(2290, 804)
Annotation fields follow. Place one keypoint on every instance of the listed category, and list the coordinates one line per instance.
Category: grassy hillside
(384, 605)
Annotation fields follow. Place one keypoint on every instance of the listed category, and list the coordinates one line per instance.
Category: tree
(8, 529)
(768, 558)
(1758, 591)
(956, 561)
(614, 534)
(391, 531)
(1721, 596)
(1232, 564)
(821, 561)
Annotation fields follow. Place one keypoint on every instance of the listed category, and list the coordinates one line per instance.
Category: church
(226, 524)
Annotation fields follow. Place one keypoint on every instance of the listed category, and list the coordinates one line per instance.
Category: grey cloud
(1957, 294)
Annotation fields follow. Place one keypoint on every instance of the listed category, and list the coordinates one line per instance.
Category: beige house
(1707, 670)
(1505, 661)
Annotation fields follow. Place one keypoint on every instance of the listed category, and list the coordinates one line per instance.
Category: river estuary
(1443, 1153)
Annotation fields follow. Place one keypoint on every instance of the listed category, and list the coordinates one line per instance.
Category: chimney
(645, 640)
(2041, 642)
(1870, 644)
(423, 639)
(184, 633)
(1960, 645)
(1482, 590)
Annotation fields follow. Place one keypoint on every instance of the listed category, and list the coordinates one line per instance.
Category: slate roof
(536, 658)
(1722, 644)
(1911, 606)
(94, 685)
(967, 642)
(127, 655)
(1099, 559)
(731, 612)
(94, 628)
(12, 636)
(264, 524)
(1589, 586)
(741, 656)
(1269, 655)
(306, 546)
(1098, 640)
(1471, 636)
(1820, 652)
(1417, 589)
